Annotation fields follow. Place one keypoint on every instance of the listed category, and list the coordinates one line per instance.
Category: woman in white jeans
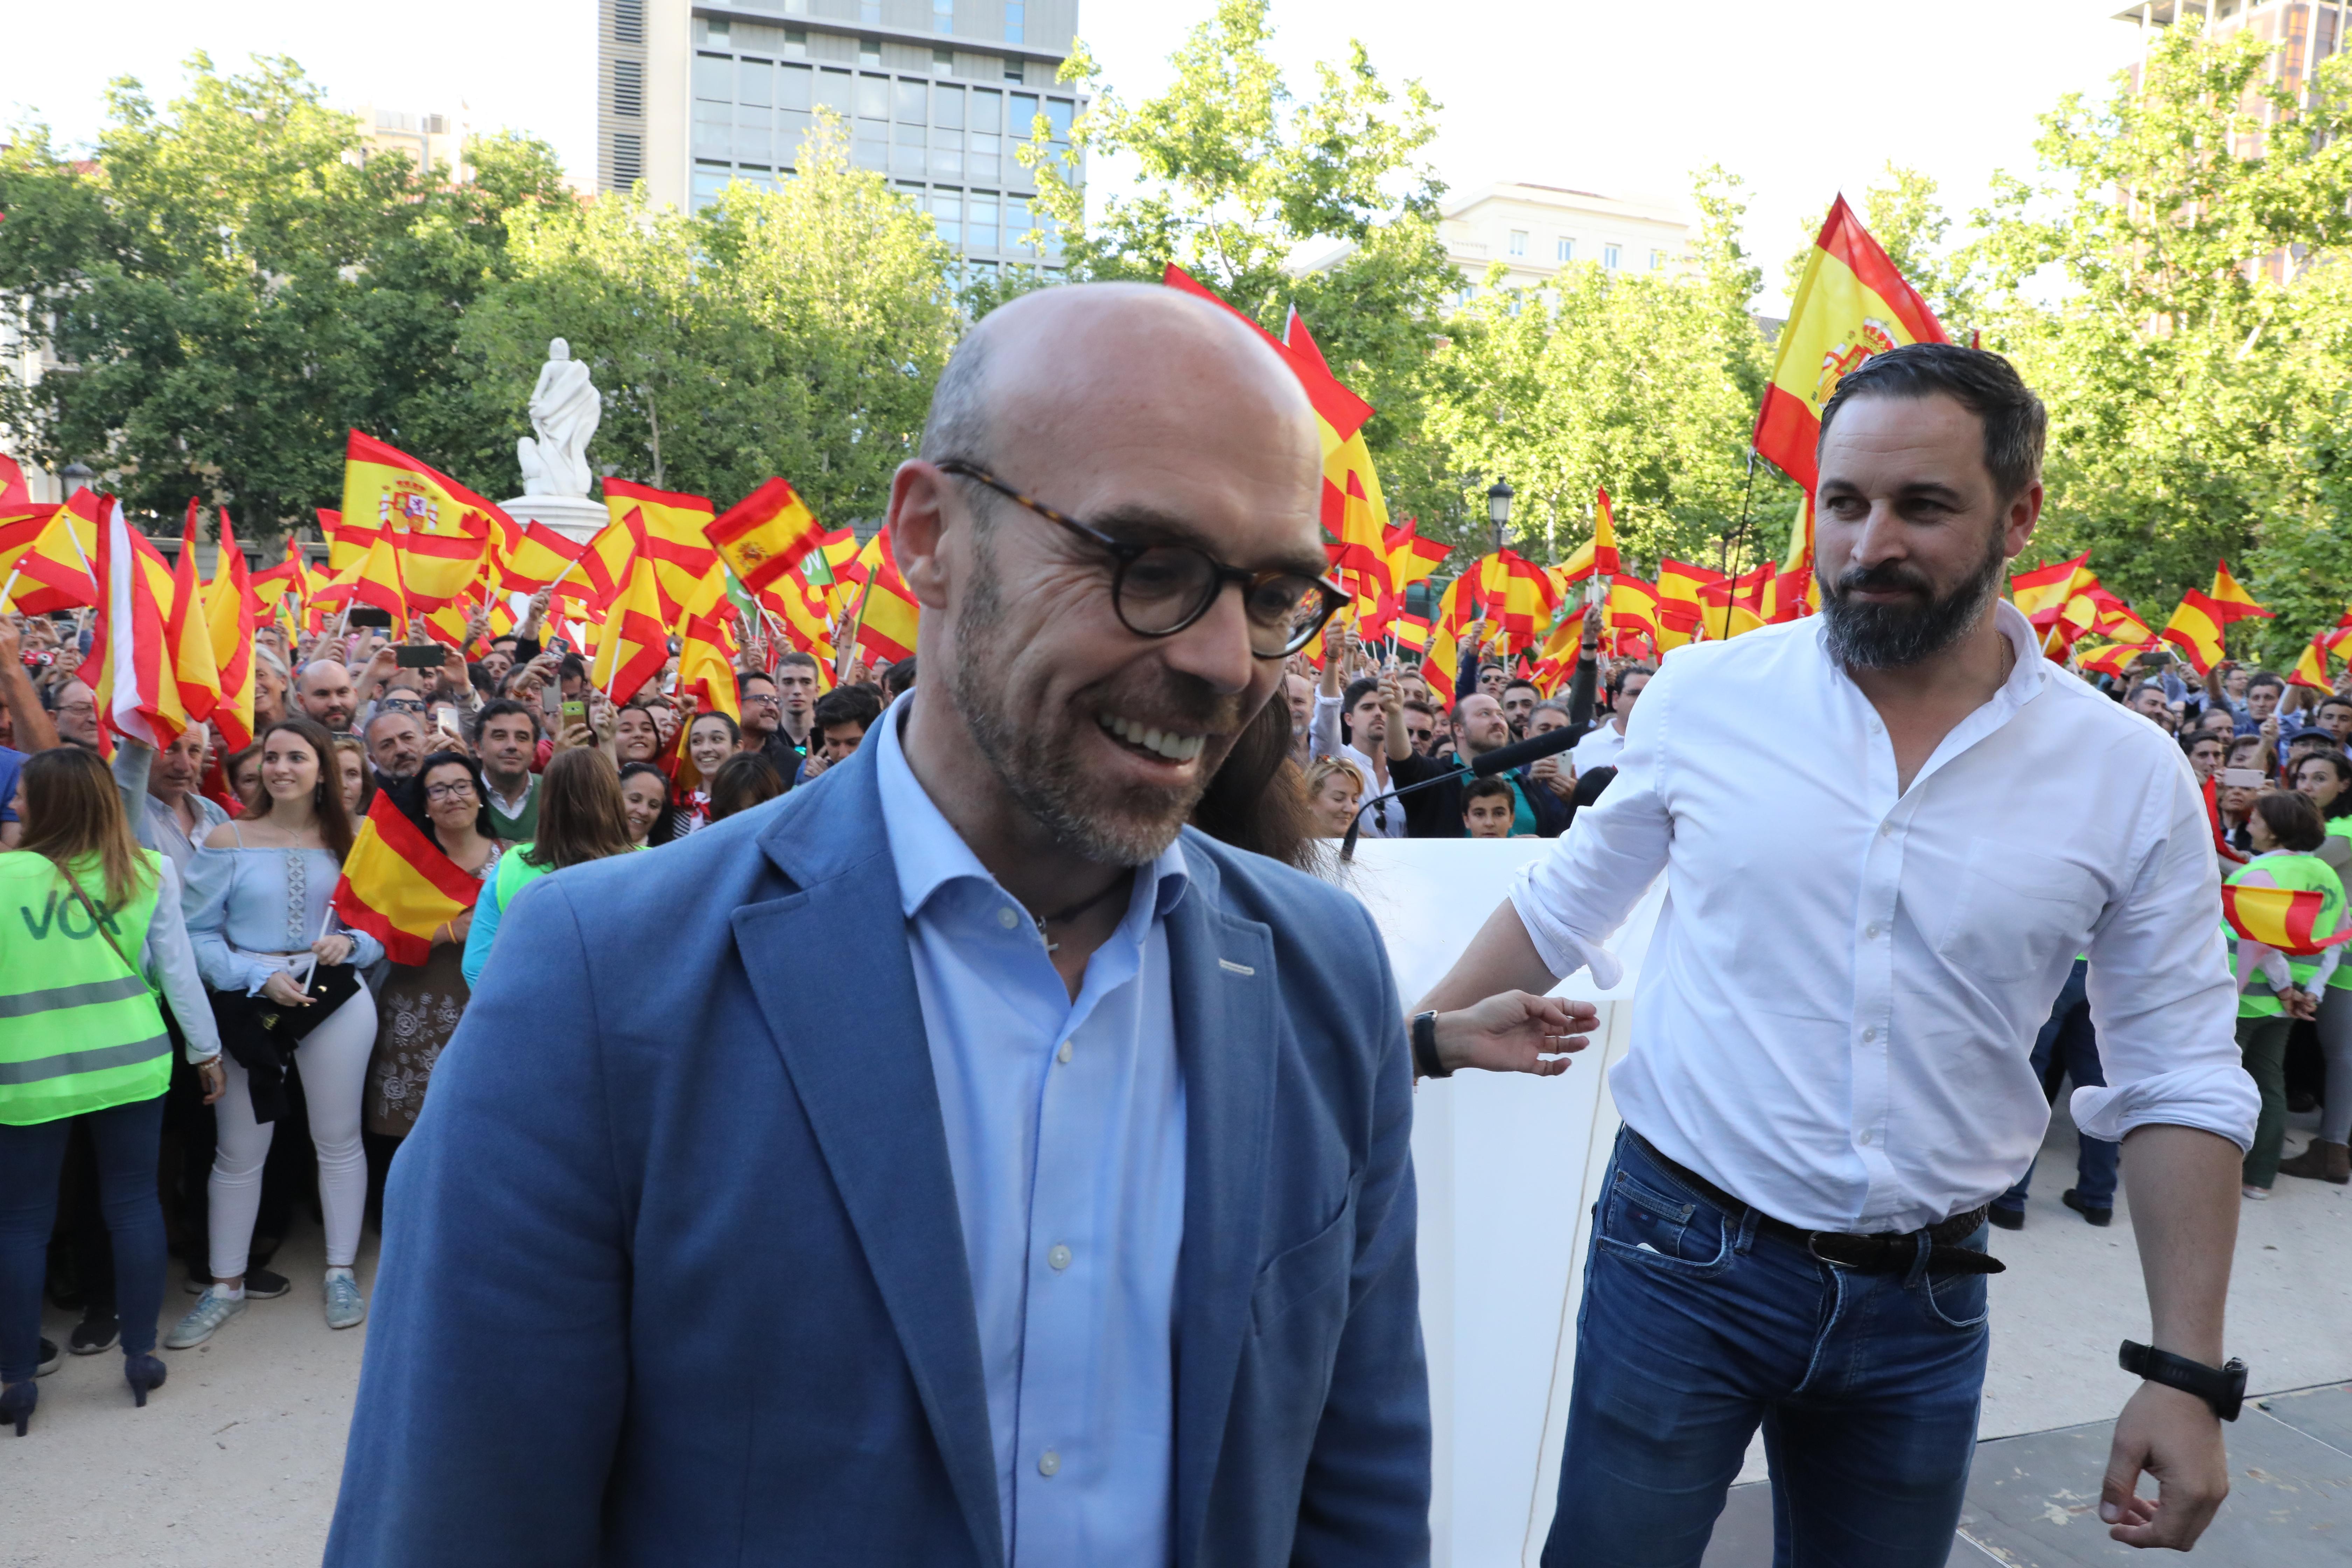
(257, 897)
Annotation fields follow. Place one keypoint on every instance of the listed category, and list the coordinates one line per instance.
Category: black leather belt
(1885, 1252)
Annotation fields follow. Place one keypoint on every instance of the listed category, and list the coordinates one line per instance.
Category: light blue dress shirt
(1066, 1135)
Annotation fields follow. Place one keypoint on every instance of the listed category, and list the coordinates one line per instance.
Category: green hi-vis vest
(78, 1029)
(2304, 874)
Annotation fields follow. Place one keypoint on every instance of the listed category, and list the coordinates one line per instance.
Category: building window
(1657, 260)
(913, 99)
(874, 98)
(715, 32)
(628, 21)
(1563, 249)
(943, 16)
(796, 42)
(1518, 245)
(1013, 71)
(709, 180)
(1610, 256)
(1021, 108)
(1013, 21)
(946, 216)
(943, 62)
(629, 89)
(1057, 119)
(869, 52)
(980, 233)
(714, 77)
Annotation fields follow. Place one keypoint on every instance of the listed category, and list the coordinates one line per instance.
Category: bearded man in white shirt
(1830, 1068)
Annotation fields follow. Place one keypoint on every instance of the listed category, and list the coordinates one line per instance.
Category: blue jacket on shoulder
(672, 1269)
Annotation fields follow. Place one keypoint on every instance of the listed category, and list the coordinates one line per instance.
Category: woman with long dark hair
(644, 802)
(581, 819)
(81, 1039)
(421, 1004)
(284, 978)
(711, 740)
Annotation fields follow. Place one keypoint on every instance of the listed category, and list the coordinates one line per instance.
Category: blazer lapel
(1226, 1041)
(864, 1078)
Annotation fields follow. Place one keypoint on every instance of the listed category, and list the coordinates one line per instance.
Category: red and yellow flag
(887, 614)
(2231, 599)
(1737, 605)
(187, 634)
(686, 567)
(438, 570)
(705, 668)
(1597, 556)
(595, 578)
(1632, 606)
(15, 495)
(1411, 558)
(2040, 594)
(347, 542)
(44, 564)
(2282, 917)
(384, 488)
(398, 886)
(529, 556)
(373, 579)
(766, 534)
(128, 666)
(232, 611)
(1682, 602)
(635, 642)
(2111, 657)
(2195, 629)
(1849, 304)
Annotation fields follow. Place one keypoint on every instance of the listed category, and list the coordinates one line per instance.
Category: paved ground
(234, 1462)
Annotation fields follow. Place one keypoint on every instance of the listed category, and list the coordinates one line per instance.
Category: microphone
(1534, 748)
(1502, 759)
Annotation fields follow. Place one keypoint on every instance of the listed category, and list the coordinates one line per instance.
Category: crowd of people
(210, 872)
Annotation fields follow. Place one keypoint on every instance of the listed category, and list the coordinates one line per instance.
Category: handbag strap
(98, 920)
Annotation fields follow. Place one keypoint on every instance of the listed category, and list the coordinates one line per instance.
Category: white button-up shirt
(1600, 746)
(1836, 1017)
(1385, 820)
(1064, 1127)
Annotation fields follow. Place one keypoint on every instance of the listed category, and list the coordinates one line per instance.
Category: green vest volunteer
(2304, 874)
(79, 1029)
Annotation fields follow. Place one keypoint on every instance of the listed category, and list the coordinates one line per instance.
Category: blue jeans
(2068, 1038)
(1696, 1326)
(129, 1141)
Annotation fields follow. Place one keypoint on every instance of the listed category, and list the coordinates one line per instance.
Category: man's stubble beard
(1039, 768)
(1896, 636)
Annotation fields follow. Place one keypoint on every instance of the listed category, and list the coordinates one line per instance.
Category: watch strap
(2222, 1387)
(1426, 1063)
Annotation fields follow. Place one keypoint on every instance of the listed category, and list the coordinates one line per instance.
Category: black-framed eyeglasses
(1157, 590)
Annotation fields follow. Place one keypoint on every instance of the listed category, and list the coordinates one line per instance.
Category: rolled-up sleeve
(2161, 997)
(171, 960)
(1574, 899)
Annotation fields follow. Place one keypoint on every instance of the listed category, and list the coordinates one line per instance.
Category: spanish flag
(686, 567)
(1849, 304)
(374, 579)
(766, 534)
(347, 542)
(2195, 629)
(187, 634)
(439, 569)
(42, 555)
(635, 642)
(2282, 917)
(1681, 587)
(385, 488)
(398, 886)
(2311, 669)
(1411, 558)
(2040, 594)
(1632, 606)
(527, 557)
(231, 610)
(1411, 632)
(2111, 659)
(2232, 600)
(128, 666)
(15, 495)
(888, 612)
(1597, 556)
(596, 577)
(705, 668)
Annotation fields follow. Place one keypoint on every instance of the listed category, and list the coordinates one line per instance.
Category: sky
(1803, 99)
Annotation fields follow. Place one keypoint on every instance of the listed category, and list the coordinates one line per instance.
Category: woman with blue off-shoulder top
(257, 903)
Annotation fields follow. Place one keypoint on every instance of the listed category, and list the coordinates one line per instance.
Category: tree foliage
(229, 286)
(1273, 199)
(1645, 383)
(793, 332)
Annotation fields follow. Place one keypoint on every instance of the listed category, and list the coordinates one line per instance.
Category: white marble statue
(564, 409)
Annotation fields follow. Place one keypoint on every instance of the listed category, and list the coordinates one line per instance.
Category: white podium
(1507, 1168)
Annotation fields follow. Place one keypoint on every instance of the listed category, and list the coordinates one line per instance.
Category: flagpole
(12, 574)
(1739, 534)
(841, 658)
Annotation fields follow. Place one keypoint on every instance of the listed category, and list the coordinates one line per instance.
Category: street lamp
(1498, 508)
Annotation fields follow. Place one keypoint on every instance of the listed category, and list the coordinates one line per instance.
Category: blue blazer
(672, 1269)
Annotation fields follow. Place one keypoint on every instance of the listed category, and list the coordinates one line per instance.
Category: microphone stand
(1356, 827)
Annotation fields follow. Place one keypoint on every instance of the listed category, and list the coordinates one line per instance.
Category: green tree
(229, 286)
(1644, 383)
(2155, 286)
(794, 332)
(1240, 180)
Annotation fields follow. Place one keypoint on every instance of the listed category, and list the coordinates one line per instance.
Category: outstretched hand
(2174, 1437)
(1515, 1031)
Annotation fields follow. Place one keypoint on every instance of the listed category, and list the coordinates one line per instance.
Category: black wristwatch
(1425, 1060)
(2223, 1388)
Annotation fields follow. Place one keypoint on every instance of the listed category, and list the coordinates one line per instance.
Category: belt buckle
(1812, 1246)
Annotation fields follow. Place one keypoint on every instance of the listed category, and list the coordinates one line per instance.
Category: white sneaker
(2260, 1195)
(345, 1310)
(204, 1320)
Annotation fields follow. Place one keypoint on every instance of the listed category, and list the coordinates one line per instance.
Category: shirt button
(1868, 1034)
(1048, 1463)
(1064, 1054)
(1007, 919)
(1871, 930)
(1865, 1140)
(1886, 830)
(1060, 1257)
